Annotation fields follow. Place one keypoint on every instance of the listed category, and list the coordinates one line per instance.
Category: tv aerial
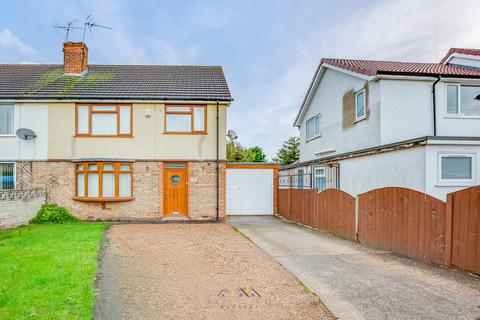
(68, 27)
(90, 24)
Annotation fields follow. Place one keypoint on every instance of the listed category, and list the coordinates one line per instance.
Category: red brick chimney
(75, 57)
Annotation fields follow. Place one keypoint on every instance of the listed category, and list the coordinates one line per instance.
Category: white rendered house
(371, 124)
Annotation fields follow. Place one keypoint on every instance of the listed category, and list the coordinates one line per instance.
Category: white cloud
(408, 30)
(9, 41)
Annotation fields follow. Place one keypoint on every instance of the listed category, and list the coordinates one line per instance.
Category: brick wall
(202, 190)
(18, 207)
(57, 177)
(75, 57)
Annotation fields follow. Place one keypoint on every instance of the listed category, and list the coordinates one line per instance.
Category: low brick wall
(17, 207)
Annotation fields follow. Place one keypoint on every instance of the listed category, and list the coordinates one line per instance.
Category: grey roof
(129, 82)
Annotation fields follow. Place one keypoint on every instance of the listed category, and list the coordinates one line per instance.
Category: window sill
(191, 133)
(313, 138)
(102, 136)
(7, 136)
(360, 119)
(103, 200)
(453, 116)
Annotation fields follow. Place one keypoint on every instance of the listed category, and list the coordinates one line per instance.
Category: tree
(289, 152)
(237, 153)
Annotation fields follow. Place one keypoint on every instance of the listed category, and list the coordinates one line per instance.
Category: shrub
(52, 213)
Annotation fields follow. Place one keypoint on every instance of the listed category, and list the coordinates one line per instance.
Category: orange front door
(175, 189)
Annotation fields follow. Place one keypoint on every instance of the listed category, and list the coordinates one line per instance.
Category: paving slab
(358, 282)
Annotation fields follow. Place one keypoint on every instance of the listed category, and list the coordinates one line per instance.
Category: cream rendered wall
(148, 141)
(328, 102)
(32, 116)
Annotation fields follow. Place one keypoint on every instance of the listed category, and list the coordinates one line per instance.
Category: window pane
(93, 184)
(104, 124)
(178, 109)
(456, 168)
(360, 105)
(104, 108)
(82, 114)
(6, 119)
(108, 184)
(7, 176)
(199, 119)
(125, 184)
(313, 127)
(125, 120)
(108, 166)
(124, 167)
(470, 98)
(80, 185)
(452, 99)
(92, 167)
(179, 122)
(80, 167)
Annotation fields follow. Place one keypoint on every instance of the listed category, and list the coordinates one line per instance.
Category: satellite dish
(232, 135)
(26, 134)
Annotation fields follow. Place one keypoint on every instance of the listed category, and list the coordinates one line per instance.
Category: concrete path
(356, 282)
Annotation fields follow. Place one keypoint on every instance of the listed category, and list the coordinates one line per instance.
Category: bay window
(463, 100)
(186, 119)
(6, 119)
(103, 180)
(113, 120)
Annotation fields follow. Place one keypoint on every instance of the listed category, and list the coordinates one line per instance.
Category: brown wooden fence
(331, 210)
(463, 229)
(404, 221)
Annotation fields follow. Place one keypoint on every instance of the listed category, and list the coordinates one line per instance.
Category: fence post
(449, 230)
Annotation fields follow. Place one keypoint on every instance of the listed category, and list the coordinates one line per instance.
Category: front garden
(47, 271)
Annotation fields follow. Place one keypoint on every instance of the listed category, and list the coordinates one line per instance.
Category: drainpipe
(217, 164)
(434, 106)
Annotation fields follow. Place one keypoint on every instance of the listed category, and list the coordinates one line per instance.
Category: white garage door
(249, 191)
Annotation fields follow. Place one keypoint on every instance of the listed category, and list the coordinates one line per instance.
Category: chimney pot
(75, 57)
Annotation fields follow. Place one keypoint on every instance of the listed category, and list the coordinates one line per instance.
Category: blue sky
(269, 49)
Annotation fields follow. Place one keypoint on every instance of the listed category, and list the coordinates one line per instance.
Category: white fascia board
(461, 55)
(454, 142)
(314, 86)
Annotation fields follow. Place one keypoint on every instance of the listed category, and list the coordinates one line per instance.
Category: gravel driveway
(195, 271)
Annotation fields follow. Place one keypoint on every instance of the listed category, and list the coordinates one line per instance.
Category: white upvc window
(463, 100)
(456, 169)
(7, 175)
(360, 112)
(6, 120)
(319, 181)
(313, 127)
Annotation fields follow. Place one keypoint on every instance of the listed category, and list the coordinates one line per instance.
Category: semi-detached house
(370, 124)
(117, 141)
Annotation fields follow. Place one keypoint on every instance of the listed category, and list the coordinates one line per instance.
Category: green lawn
(47, 271)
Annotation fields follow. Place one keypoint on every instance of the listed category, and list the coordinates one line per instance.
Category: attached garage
(252, 188)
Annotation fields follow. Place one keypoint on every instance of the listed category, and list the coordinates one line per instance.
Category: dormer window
(360, 113)
(463, 100)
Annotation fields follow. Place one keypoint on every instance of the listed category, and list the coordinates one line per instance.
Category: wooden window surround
(170, 110)
(95, 108)
(99, 169)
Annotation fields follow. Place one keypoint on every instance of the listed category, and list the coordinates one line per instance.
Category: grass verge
(48, 271)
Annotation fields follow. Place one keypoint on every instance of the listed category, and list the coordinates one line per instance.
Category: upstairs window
(113, 120)
(456, 169)
(6, 119)
(360, 105)
(186, 119)
(463, 100)
(103, 180)
(313, 127)
(7, 176)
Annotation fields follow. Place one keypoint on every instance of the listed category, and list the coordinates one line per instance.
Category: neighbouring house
(369, 124)
(117, 141)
